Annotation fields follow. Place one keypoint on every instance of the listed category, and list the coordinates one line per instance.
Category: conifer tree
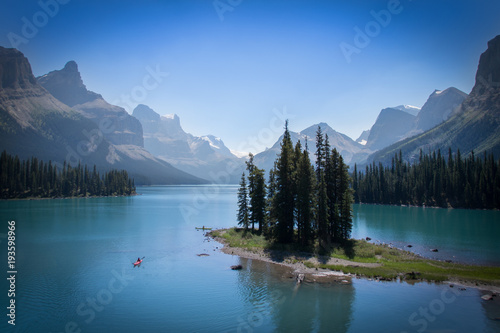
(321, 191)
(283, 202)
(243, 220)
(305, 202)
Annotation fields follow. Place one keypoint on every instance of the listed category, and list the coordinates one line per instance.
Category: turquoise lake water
(75, 274)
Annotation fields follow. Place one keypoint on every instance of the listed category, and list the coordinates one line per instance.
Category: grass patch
(246, 239)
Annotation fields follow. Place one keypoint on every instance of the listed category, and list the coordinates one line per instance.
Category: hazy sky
(235, 66)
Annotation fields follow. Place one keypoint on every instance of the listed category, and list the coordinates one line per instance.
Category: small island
(360, 258)
(302, 218)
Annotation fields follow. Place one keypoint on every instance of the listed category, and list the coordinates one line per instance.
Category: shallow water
(74, 270)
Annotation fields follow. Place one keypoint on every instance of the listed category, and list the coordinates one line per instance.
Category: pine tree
(258, 201)
(243, 220)
(305, 202)
(283, 203)
(322, 215)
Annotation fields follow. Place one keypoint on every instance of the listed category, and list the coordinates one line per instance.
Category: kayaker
(138, 259)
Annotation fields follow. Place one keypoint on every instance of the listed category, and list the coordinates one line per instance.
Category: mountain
(347, 147)
(206, 156)
(413, 110)
(362, 140)
(397, 123)
(35, 123)
(474, 125)
(67, 86)
(392, 125)
(438, 108)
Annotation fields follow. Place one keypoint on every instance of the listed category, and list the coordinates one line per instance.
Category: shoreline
(315, 274)
(74, 197)
(423, 206)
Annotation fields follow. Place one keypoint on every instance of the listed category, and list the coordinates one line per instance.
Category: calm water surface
(75, 274)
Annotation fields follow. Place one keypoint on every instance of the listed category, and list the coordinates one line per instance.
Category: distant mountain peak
(438, 108)
(474, 123)
(171, 116)
(15, 69)
(413, 110)
(488, 69)
(71, 66)
(67, 85)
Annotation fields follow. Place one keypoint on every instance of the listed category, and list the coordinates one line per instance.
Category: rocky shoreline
(296, 269)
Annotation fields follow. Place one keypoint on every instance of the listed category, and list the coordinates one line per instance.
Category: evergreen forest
(471, 182)
(300, 203)
(34, 178)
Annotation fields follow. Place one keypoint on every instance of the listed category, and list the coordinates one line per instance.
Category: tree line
(35, 178)
(472, 182)
(301, 203)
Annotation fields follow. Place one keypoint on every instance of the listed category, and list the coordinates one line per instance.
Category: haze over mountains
(55, 117)
(347, 147)
(202, 156)
(473, 126)
(34, 123)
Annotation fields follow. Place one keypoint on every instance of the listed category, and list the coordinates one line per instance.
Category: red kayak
(137, 262)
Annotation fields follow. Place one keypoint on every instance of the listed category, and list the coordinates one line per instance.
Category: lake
(75, 274)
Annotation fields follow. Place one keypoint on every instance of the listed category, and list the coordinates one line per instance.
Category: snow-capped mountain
(413, 110)
(203, 156)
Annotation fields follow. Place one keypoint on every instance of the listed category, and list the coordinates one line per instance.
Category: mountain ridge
(35, 123)
(203, 156)
(473, 126)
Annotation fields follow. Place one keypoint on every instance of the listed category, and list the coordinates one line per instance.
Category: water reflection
(274, 302)
(460, 235)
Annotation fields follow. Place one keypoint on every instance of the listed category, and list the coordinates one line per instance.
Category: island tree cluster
(301, 203)
(34, 178)
(472, 182)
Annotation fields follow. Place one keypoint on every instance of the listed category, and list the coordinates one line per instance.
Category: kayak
(203, 228)
(137, 262)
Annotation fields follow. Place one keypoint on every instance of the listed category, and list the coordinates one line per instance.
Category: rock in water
(236, 267)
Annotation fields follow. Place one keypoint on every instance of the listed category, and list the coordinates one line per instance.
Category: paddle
(136, 261)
